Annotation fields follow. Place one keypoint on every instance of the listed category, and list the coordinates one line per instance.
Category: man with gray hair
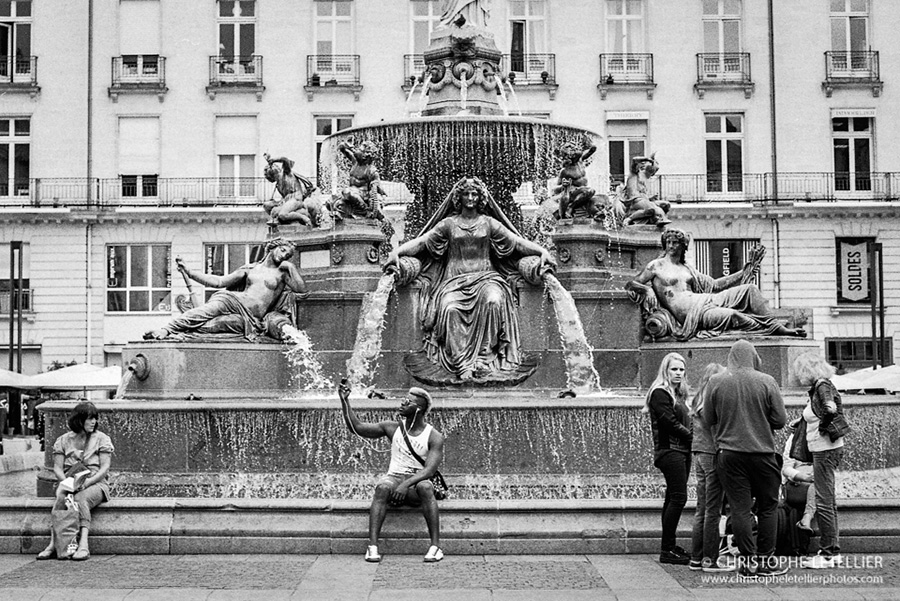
(416, 452)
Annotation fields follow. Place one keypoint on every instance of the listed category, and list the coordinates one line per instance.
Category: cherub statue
(364, 195)
(635, 206)
(295, 204)
(574, 196)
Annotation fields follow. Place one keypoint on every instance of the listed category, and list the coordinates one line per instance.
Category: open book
(75, 477)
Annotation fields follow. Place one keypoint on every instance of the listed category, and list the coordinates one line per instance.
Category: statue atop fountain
(462, 12)
(634, 205)
(295, 204)
(677, 300)
(364, 195)
(465, 257)
(575, 197)
(258, 301)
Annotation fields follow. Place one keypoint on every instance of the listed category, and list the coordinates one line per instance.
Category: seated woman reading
(465, 254)
(679, 301)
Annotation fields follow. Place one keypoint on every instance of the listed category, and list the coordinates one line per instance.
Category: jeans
(745, 476)
(675, 467)
(705, 536)
(824, 465)
(86, 499)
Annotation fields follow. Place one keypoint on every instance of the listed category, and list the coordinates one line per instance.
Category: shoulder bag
(835, 426)
(799, 447)
(441, 490)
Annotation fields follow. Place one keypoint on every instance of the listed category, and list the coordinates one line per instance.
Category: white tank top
(402, 461)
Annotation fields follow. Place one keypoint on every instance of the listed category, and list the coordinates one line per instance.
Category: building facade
(133, 131)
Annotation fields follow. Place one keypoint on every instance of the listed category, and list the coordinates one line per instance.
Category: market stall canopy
(11, 379)
(78, 377)
(886, 378)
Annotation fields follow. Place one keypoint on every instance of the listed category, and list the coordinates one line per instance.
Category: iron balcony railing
(236, 71)
(153, 191)
(626, 68)
(413, 68)
(19, 70)
(139, 71)
(857, 66)
(530, 69)
(5, 295)
(723, 67)
(332, 70)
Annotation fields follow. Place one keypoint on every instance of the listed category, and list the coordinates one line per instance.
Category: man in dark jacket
(745, 406)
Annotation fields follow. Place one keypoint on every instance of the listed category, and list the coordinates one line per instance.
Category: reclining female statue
(679, 301)
(464, 256)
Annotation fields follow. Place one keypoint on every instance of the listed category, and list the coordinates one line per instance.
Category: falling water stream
(127, 375)
(504, 104)
(307, 371)
(368, 335)
(514, 96)
(581, 375)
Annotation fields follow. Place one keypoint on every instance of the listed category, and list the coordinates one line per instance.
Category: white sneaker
(372, 555)
(725, 563)
(434, 554)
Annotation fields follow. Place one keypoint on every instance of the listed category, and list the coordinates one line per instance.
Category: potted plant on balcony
(545, 77)
(315, 80)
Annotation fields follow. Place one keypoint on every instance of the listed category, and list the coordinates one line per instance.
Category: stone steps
(200, 526)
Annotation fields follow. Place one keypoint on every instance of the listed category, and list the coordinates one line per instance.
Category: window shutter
(236, 135)
(139, 27)
(138, 145)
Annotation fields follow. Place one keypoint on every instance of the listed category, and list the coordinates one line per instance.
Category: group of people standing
(727, 432)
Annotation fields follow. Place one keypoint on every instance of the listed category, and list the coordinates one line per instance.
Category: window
(325, 126)
(849, 26)
(718, 258)
(139, 39)
(236, 148)
(724, 153)
(852, 140)
(139, 156)
(856, 353)
(334, 36)
(528, 34)
(237, 40)
(15, 41)
(721, 37)
(6, 284)
(138, 279)
(221, 259)
(624, 26)
(625, 139)
(853, 271)
(15, 156)
(426, 16)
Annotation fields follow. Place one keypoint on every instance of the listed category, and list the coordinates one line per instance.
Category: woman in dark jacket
(671, 427)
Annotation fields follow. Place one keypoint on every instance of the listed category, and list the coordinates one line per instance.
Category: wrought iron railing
(332, 70)
(5, 295)
(214, 191)
(723, 67)
(858, 65)
(413, 67)
(626, 68)
(139, 70)
(530, 69)
(236, 70)
(20, 70)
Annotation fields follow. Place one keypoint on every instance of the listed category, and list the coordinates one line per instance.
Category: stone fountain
(237, 419)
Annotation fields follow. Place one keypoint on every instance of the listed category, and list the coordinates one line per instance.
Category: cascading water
(127, 375)
(463, 92)
(368, 335)
(504, 104)
(307, 371)
(423, 97)
(581, 375)
(514, 96)
(412, 90)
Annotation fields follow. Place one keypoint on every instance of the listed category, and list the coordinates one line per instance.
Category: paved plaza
(405, 577)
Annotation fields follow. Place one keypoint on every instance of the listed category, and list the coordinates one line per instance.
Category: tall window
(849, 25)
(139, 156)
(15, 156)
(236, 149)
(325, 126)
(334, 36)
(724, 153)
(426, 16)
(237, 37)
(138, 279)
(718, 258)
(6, 284)
(221, 259)
(626, 139)
(852, 140)
(528, 36)
(624, 26)
(139, 39)
(15, 40)
(722, 36)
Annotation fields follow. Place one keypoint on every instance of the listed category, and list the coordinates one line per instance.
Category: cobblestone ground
(405, 577)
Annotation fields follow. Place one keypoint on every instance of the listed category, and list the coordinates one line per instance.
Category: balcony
(534, 71)
(138, 74)
(26, 296)
(332, 73)
(852, 70)
(413, 69)
(236, 74)
(724, 71)
(18, 74)
(626, 72)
